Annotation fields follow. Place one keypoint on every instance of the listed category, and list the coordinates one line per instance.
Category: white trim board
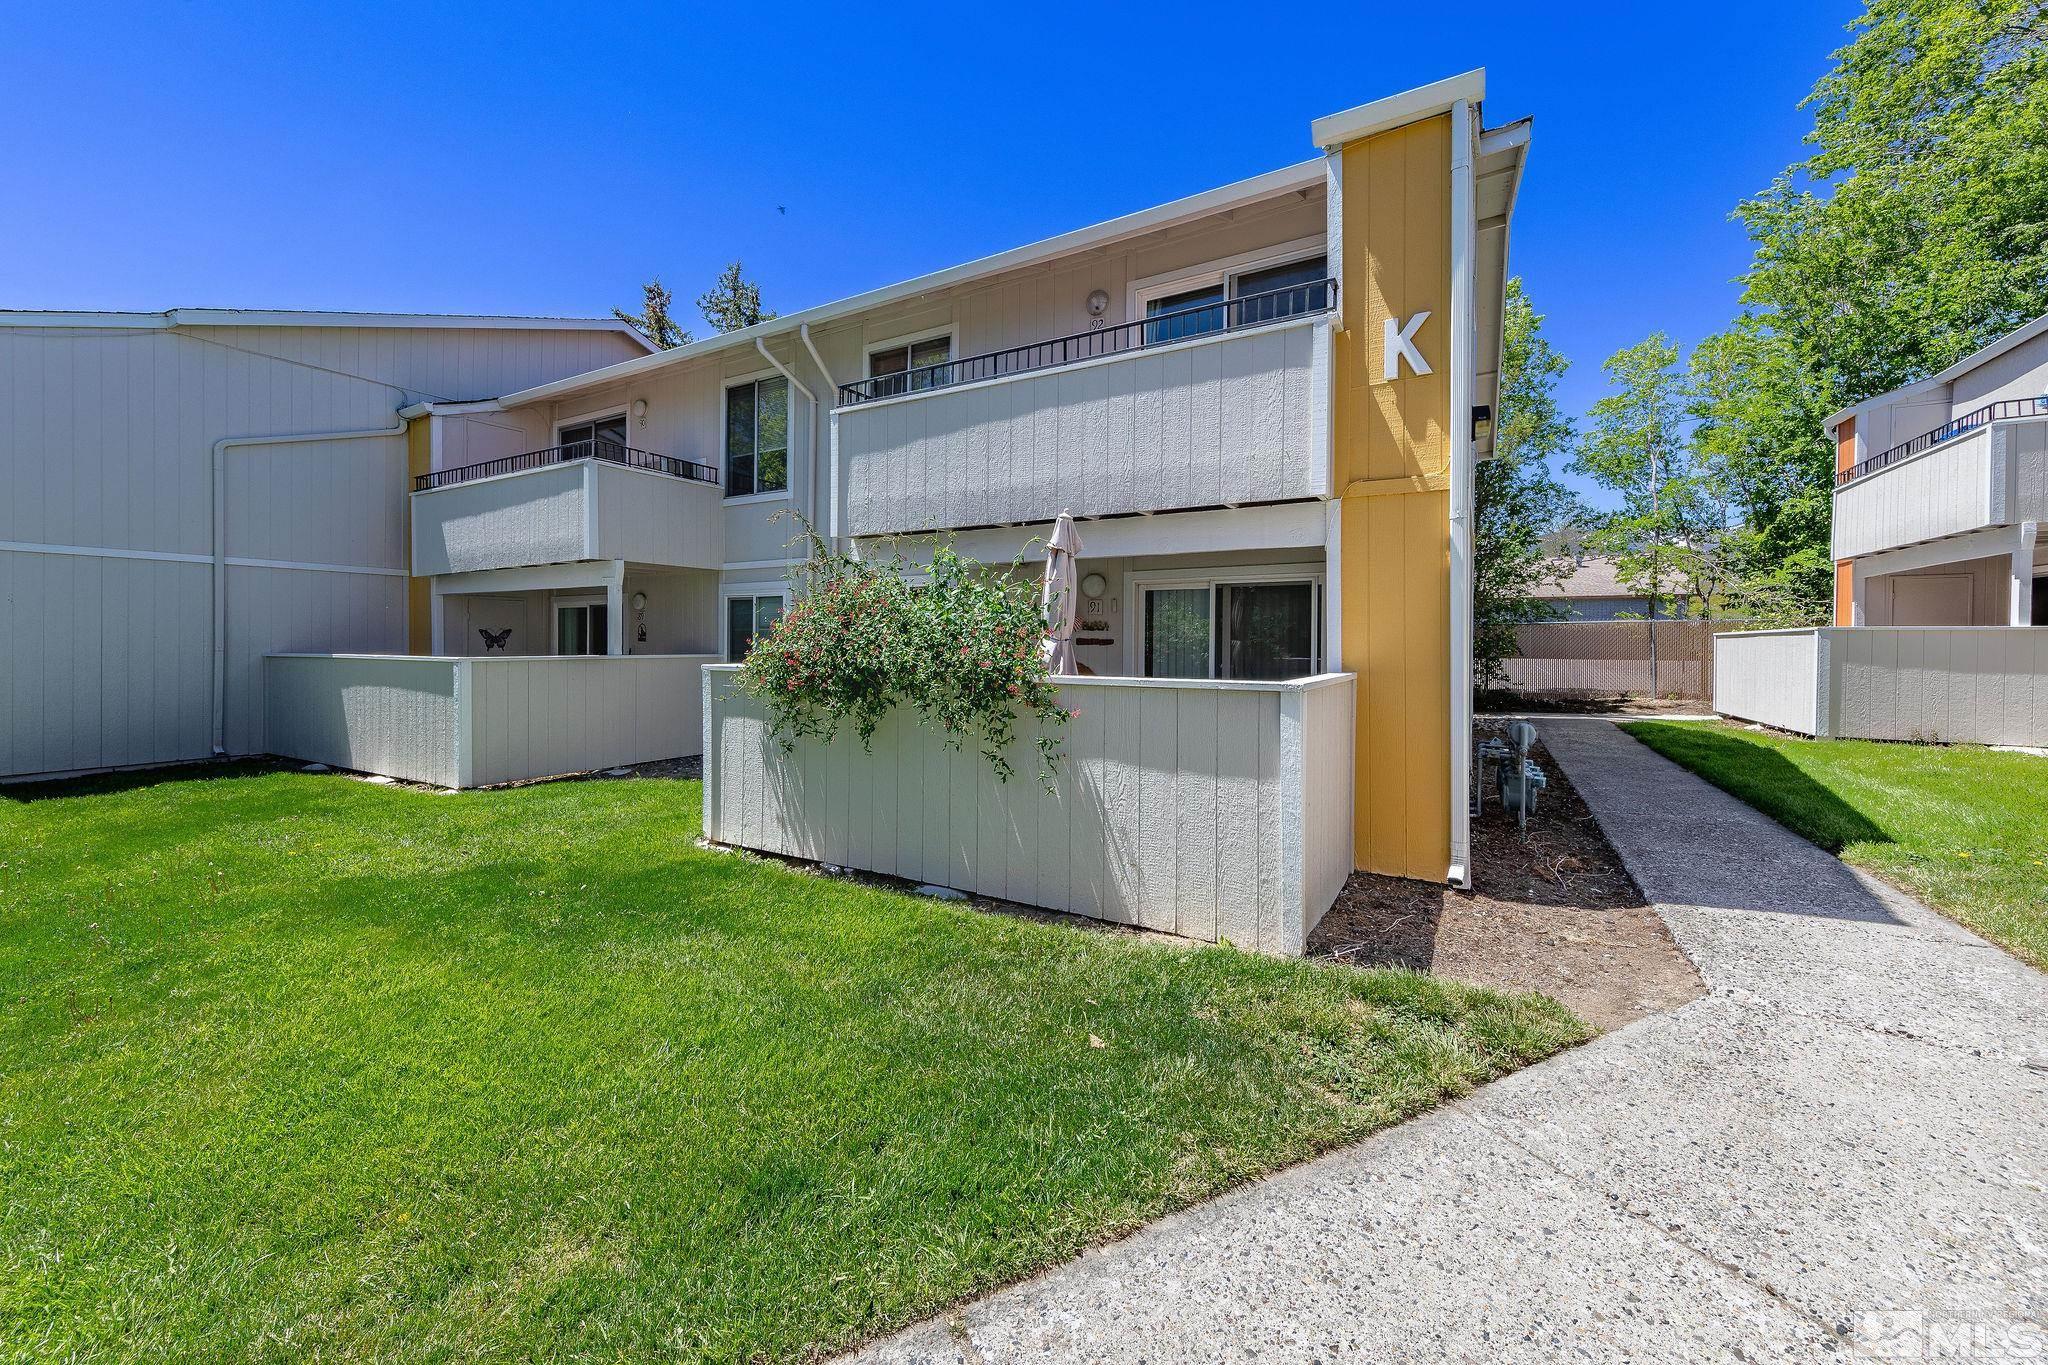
(178, 557)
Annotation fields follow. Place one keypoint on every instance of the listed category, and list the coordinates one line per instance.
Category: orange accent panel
(1845, 444)
(419, 602)
(1845, 592)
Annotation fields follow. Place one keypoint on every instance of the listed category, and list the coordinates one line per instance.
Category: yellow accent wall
(1392, 466)
(419, 602)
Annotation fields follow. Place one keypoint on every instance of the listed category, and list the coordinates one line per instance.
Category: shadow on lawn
(1699, 871)
(136, 779)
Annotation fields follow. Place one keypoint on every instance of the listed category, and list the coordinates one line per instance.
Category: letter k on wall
(1400, 342)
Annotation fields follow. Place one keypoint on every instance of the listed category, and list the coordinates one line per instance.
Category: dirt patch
(1554, 911)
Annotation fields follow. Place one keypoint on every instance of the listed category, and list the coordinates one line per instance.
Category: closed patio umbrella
(1062, 587)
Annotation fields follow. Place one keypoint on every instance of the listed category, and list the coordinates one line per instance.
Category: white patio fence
(1212, 810)
(471, 722)
(1951, 684)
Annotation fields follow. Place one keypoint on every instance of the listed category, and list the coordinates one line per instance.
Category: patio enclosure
(1952, 684)
(1212, 810)
(472, 722)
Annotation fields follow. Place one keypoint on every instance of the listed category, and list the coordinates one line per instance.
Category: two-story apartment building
(1261, 402)
(1940, 487)
(1941, 575)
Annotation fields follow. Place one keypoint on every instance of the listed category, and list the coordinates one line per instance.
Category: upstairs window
(757, 437)
(1214, 301)
(902, 369)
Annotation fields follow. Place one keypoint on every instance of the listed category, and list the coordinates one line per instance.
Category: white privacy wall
(1233, 418)
(1771, 677)
(1215, 811)
(475, 722)
(1951, 684)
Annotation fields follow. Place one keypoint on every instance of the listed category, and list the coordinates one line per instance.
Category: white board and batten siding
(1216, 811)
(1996, 475)
(1951, 684)
(107, 439)
(456, 722)
(559, 514)
(1236, 417)
(1771, 677)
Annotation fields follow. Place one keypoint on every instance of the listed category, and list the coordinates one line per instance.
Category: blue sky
(513, 159)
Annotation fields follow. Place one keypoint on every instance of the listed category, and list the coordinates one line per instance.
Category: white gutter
(831, 447)
(761, 345)
(220, 550)
(1464, 357)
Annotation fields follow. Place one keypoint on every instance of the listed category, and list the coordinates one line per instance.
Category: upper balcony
(588, 500)
(1986, 468)
(1212, 406)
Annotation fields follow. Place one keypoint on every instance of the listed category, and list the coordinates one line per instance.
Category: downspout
(220, 550)
(831, 448)
(798, 385)
(1464, 350)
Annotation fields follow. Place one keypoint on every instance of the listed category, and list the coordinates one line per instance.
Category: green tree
(1669, 536)
(733, 301)
(653, 320)
(1517, 500)
(1914, 231)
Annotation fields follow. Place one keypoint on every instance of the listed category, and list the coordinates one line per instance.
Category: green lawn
(1964, 829)
(298, 1067)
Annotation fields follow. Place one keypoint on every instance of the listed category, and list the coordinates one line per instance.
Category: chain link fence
(1612, 658)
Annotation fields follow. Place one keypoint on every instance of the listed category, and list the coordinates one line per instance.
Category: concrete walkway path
(1840, 1152)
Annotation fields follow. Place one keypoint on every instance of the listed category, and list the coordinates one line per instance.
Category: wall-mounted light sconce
(640, 616)
(1482, 423)
(639, 601)
(640, 411)
(1093, 585)
(1098, 303)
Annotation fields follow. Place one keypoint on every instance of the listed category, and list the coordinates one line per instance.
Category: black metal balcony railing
(1969, 421)
(1180, 325)
(609, 451)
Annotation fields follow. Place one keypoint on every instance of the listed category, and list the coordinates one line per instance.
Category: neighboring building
(1939, 489)
(1941, 575)
(187, 491)
(1263, 403)
(1590, 590)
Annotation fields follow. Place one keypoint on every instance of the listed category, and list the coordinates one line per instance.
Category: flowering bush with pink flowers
(963, 648)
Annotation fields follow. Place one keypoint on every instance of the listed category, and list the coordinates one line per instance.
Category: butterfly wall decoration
(495, 639)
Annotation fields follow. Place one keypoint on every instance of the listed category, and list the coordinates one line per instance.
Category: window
(908, 367)
(1189, 317)
(757, 437)
(604, 437)
(747, 619)
(1282, 291)
(1199, 302)
(1264, 630)
(582, 628)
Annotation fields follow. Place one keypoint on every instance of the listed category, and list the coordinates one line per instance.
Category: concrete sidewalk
(1839, 1146)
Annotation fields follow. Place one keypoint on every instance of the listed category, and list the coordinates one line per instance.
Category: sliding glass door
(1259, 630)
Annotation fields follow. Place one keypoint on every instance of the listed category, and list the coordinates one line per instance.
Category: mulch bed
(1552, 911)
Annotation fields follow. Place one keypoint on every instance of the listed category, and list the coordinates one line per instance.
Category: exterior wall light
(1482, 423)
(640, 411)
(639, 601)
(1093, 585)
(1098, 303)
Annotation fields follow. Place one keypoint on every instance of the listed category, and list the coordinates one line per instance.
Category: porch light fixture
(639, 601)
(1093, 585)
(1098, 303)
(640, 411)
(1482, 423)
